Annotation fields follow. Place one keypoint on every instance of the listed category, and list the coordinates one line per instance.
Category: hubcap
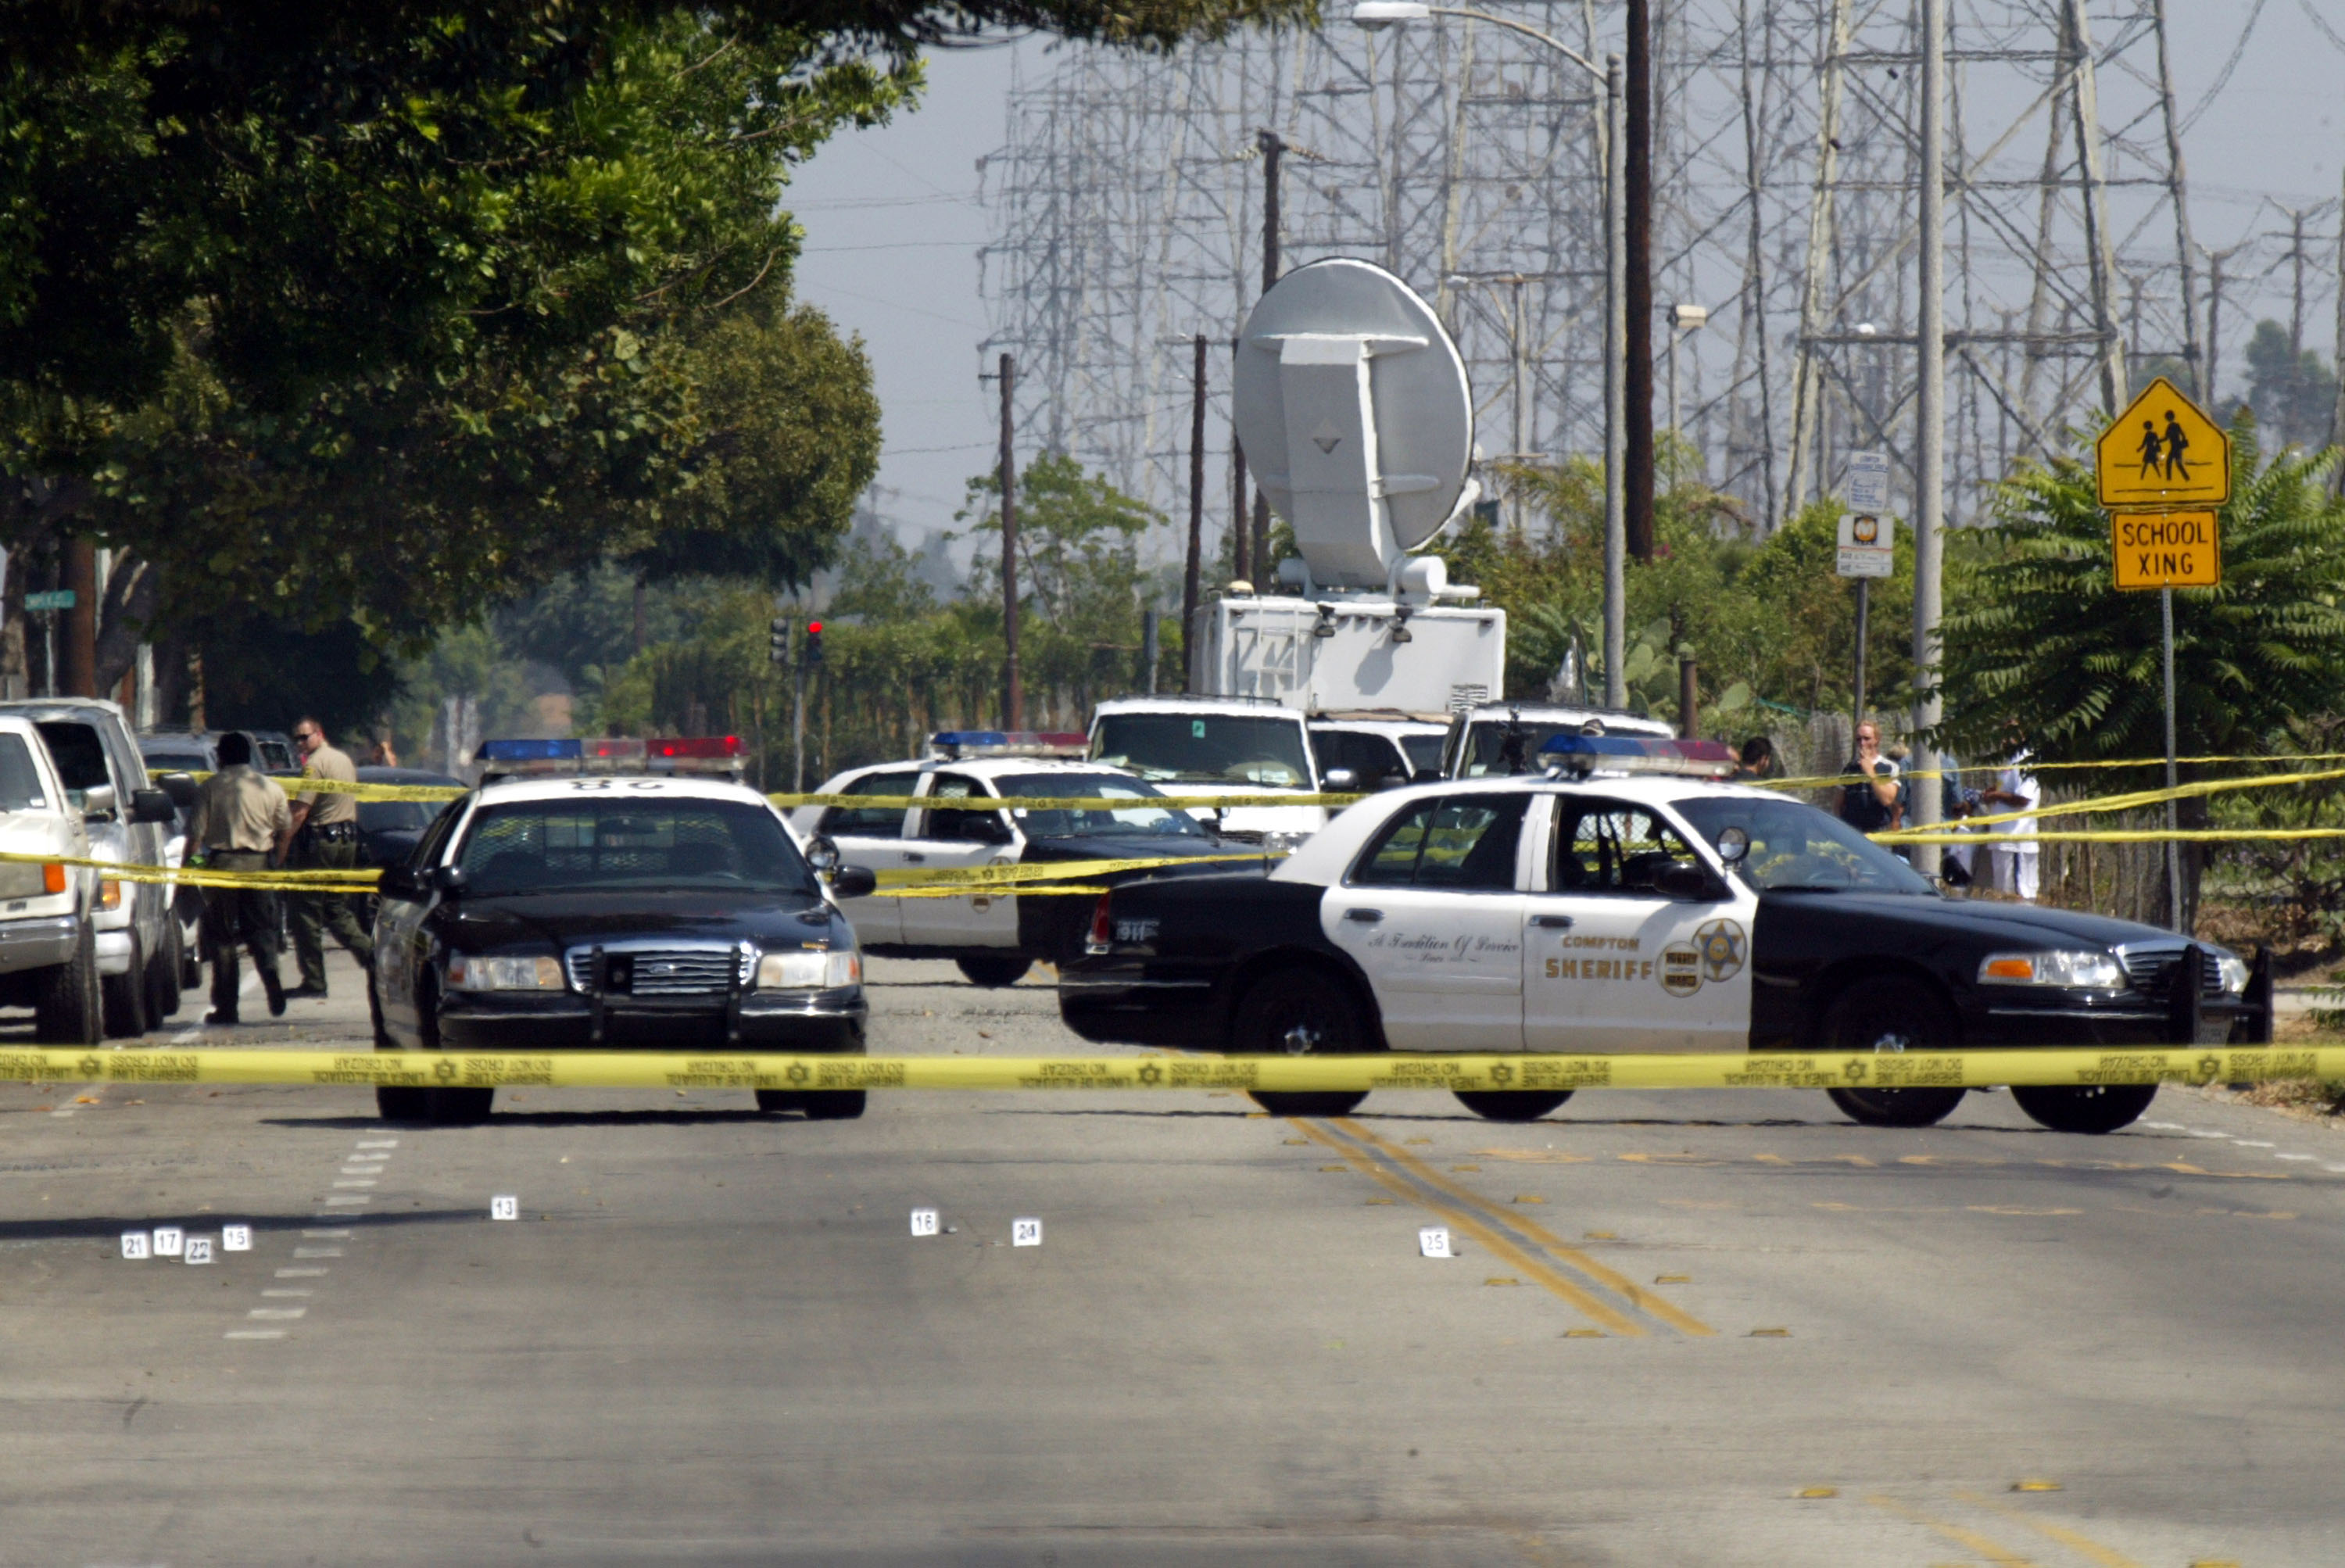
(1893, 1040)
(1302, 1039)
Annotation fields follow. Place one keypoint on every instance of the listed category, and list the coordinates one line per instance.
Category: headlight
(810, 970)
(2085, 971)
(2233, 972)
(469, 972)
(1282, 843)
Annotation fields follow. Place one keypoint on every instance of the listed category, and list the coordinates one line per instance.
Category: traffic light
(813, 644)
(779, 641)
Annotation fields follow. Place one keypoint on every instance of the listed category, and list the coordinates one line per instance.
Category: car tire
(402, 1102)
(2083, 1108)
(1890, 1015)
(125, 995)
(774, 1102)
(163, 970)
(1298, 1013)
(1511, 1105)
(995, 972)
(833, 1104)
(69, 1009)
(458, 1107)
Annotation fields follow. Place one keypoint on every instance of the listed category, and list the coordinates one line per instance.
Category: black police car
(617, 912)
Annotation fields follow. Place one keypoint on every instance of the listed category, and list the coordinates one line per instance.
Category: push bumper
(817, 1022)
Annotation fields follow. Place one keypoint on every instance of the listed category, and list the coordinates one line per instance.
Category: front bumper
(818, 1022)
(37, 943)
(2124, 1022)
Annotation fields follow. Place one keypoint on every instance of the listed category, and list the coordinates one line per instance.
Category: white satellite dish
(1352, 410)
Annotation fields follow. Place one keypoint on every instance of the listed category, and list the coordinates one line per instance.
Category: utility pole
(1930, 418)
(1191, 573)
(2296, 292)
(1639, 204)
(2099, 250)
(80, 672)
(1520, 353)
(1808, 376)
(1616, 390)
(1272, 149)
(1241, 537)
(1013, 695)
(2177, 192)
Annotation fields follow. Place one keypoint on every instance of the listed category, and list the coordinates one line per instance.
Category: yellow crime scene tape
(1277, 1074)
(2133, 800)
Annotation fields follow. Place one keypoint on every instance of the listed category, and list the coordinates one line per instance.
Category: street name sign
(1868, 482)
(56, 599)
(2163, 452)
(2167, 549)
(1866, 545)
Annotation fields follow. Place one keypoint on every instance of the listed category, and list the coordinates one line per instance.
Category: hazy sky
(893, 223)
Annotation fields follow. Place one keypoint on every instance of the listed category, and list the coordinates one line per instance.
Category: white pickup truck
(48, 939)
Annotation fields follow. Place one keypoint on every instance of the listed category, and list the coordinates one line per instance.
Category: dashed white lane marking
(278, 1312)
(2203, 1133)
(378, 1142)
(326, 1235)
(346, 1199)
(2295, 1156)
(2252, 1144)
(316, 1252)
(254, 1334)
(287, 1293)
(368, 1182)
(301, 1273)
(2162, 1126)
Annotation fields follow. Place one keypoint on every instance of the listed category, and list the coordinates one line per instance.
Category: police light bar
(527, 750)
(1581, 755)
(719, 754)
(957, 745)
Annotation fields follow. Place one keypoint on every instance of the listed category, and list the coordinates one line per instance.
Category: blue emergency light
(955, 744)
(1584, 754)
(529, 750)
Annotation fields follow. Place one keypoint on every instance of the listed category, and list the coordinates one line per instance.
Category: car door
(399, 940)
(873, 836)
(1432, 913)
(1609, 962)
(960, 840)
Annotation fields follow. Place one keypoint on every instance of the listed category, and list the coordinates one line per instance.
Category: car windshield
(1491, 747)
(177, 762)
(396, 816)
(1145, 815)
(1798, 849)
(20, 780)
(637, 845)
(1424, 751)
(1204, 748)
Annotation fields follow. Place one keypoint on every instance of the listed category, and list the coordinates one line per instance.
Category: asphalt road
(1697, 1329)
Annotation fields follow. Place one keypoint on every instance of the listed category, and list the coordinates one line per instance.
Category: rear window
(20, 779)
(1461, 843)
(872, 821)
(177, 762)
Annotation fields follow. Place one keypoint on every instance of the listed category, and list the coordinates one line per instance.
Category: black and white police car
(1625, 901)
(579, 902)
(996, 937)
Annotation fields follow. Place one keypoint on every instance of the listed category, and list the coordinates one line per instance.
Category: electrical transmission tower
(1127, 202)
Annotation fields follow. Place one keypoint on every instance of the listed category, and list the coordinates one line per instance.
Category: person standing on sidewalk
(240, 816)
(323, 835)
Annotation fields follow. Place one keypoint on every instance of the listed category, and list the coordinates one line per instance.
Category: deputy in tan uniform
(240, 817)
(324, 837)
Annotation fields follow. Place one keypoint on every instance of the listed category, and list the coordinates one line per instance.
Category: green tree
(2294, 395)
(2043, 651)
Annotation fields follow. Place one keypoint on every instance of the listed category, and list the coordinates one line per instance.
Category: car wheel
(400, 1103)
(458, 1107)
(2085, 1108)
(833, 1104)
(126, 994)
(163, 970)
(70, 1010)
(1511, 1105)
(996, 972)
(1300, 1012)
(1890, 1015)
(772, 1102)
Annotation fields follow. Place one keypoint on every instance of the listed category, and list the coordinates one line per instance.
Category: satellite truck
(1353, 408)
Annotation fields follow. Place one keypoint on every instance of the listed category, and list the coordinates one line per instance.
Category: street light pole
(1930, 418)
(1374, 15)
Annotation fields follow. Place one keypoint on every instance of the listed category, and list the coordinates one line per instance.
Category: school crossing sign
(2161, 470)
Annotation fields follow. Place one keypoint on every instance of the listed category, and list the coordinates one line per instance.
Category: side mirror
(152, 806)
(1685, 882)
(97, 803)
(181, 788)
(450, 881)
(853, 882)
(822, 853)
(1338, 780)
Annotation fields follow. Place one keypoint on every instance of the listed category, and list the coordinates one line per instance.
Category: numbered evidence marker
(2163, 451)
(137, 1245)
(200, 1249)
(169, 1240)
(236, 1239)
(504, 1206)
(1025, 1233)
(1434, 1242)
(2165, 549)
(924, 1222)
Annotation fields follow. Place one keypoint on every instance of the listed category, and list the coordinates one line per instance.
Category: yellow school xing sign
(2163, 452)
(2165, 549)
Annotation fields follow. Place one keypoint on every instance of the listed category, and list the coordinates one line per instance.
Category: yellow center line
(2001, 1556)
(1556, 1283)
(2082, 1545)
(1644, 1299)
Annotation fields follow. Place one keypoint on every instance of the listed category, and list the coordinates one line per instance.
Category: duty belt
(332, 832)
